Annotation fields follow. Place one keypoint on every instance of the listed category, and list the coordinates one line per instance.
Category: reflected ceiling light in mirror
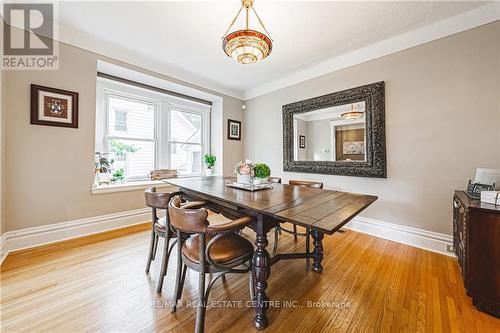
(353, 114)
(247, 46)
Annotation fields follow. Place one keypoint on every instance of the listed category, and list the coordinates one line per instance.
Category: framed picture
(233, 130)
(53, 107)
(353, 148)
(302, 141)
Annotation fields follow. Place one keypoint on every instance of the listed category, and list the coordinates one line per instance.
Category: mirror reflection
(332, 134)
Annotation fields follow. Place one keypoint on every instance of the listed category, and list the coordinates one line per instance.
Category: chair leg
(308, 246)
(183, 278)
(164, 263)
(151, 249)
(277, 231)
(295, 232)
(180, 275)
(200, 314)
(155, 247)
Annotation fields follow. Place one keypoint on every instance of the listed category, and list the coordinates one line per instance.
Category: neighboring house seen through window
(145, 130)
(121, 121)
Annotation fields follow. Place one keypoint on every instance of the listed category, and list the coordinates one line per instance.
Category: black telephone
(474, 189)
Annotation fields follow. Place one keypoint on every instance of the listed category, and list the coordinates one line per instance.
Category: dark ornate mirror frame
(375, 165)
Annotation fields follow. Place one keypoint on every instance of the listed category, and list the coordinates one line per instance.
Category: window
(185, 141)
(120, 120)
(144, 130)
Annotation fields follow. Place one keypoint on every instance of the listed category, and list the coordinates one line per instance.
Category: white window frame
(163, 104)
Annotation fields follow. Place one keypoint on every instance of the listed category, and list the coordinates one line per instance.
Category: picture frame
(233, 130)
(53, 107)
(353, 148)
(302, 141)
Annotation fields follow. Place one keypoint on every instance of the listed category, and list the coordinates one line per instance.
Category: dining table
(322, 211)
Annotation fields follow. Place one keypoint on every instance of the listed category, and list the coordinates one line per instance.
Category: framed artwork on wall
(53, 107)
(302, 141)
(353, 148)
(233, 130)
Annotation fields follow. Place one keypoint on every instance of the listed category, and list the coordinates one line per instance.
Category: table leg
(318, 250)
(261, 266)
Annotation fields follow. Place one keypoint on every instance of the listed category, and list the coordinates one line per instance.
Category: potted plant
(209, 163)
(244, 171)
(261, 173)
(118, 176)
(102, 168)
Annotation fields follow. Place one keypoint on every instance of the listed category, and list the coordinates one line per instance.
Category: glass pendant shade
(352, 115)
(247, 46)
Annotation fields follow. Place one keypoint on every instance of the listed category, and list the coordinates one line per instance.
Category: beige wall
(49, 169)
(442, 122)
(2, 151)
(233, 150)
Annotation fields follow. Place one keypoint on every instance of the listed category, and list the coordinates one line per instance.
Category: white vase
(103, 178)
(209, 172)
(258, 181)
(244, 179)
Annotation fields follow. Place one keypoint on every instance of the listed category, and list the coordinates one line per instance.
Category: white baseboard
(428, 240)
(4, 251)
(32, 237)
(46, 234)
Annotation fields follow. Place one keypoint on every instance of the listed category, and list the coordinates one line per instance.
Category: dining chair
(160, 229)
(276, 180)
(294, 232)
(210, 248)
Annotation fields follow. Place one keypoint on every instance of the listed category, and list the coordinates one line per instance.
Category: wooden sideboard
(476, 239)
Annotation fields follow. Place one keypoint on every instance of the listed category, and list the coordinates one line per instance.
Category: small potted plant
(209, 163)
(244, 172)
(102, 168)
(118, 176)
(261, 173)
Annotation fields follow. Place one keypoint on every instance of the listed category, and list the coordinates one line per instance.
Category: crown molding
(462, 22)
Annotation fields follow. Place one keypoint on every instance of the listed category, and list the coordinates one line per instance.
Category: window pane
(135, 157)
(185, 126)
(186, 158)
(130, 118)
(120, 121)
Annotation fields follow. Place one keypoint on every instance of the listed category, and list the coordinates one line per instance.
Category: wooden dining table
(322, 211)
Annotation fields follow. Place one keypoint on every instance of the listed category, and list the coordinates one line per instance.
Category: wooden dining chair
(160, 229)
(294, 232)
(211, 248)
(276, 180)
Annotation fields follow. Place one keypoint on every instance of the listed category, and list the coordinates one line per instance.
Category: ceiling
(187, 35)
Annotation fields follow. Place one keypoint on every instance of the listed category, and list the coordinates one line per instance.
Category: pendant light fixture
(350, 115)
(247, 46)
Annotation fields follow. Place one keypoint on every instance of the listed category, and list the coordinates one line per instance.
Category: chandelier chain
(261, 23)
(232, 23)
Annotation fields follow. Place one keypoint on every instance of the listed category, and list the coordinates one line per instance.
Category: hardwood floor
(98, 284)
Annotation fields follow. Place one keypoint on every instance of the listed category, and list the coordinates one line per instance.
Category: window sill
(135, 186)
(126, 187)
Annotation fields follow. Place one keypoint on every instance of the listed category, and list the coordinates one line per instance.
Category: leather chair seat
(229, 247)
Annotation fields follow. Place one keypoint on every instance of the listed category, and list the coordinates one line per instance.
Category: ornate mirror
(338, 134)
